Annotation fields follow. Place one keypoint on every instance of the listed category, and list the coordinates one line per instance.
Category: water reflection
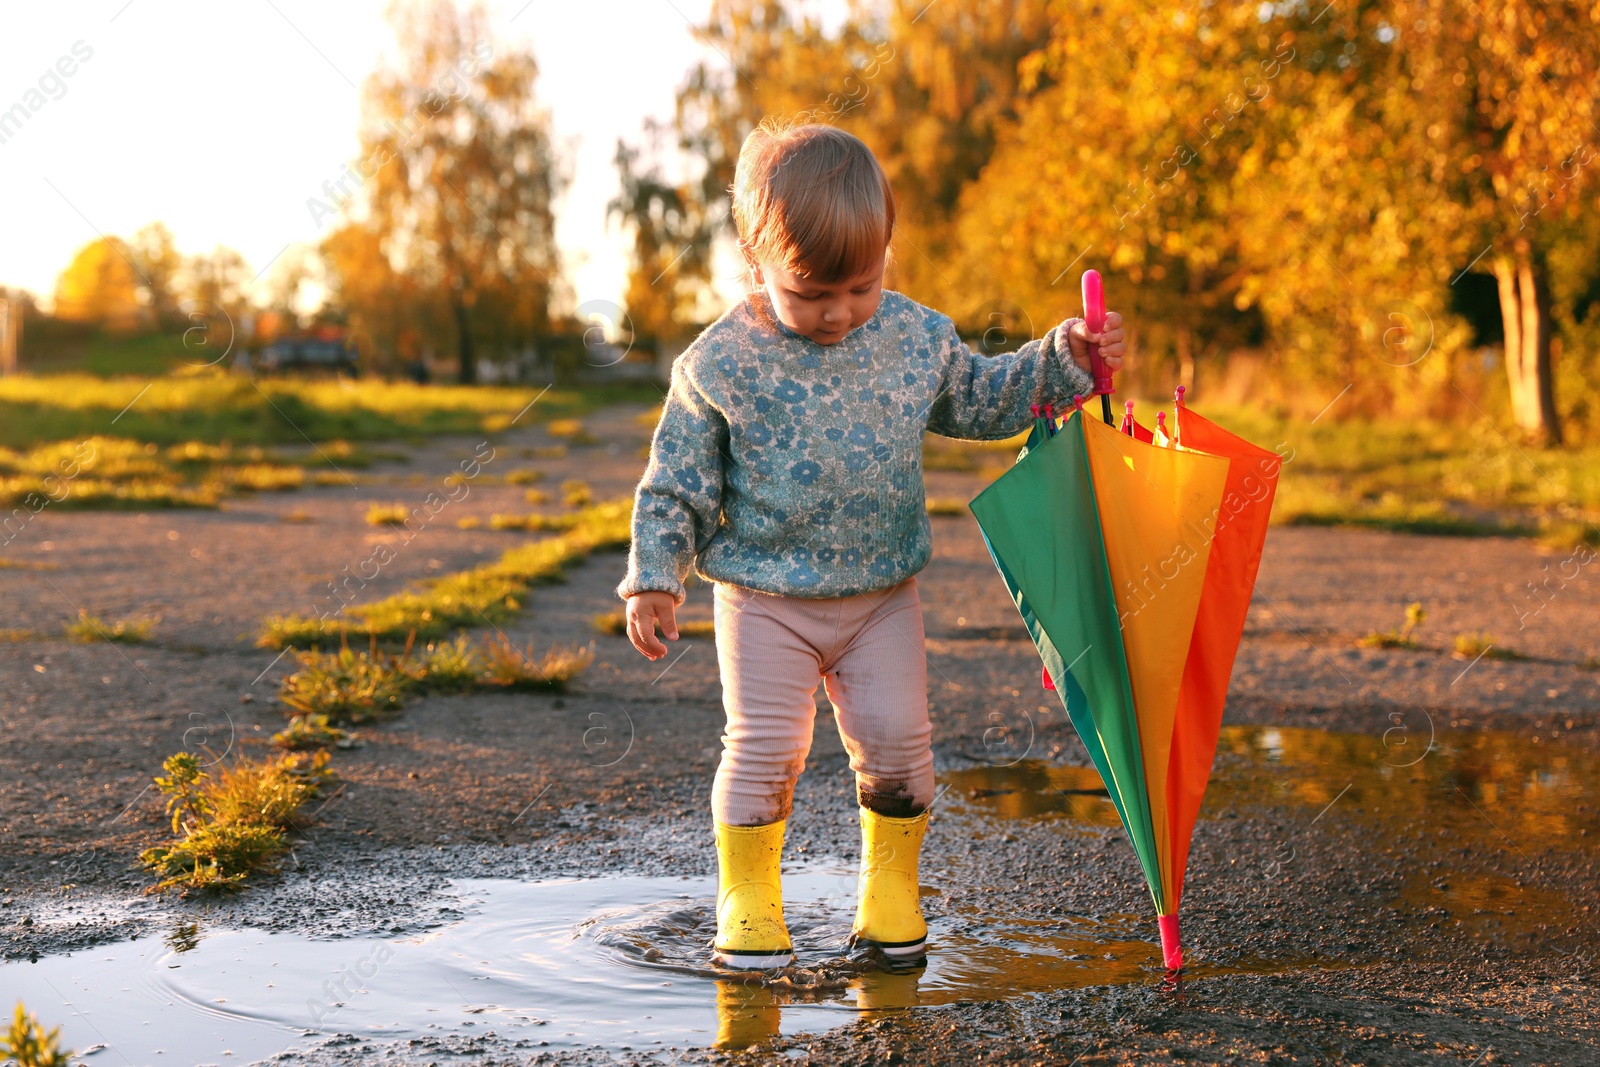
(623, 961)
(1487, 789)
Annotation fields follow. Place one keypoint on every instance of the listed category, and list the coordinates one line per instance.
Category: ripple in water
(610, 962)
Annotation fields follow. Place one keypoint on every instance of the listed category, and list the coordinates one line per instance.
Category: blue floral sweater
(791, 467)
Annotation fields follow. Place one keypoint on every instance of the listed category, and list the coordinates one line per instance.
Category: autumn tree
(670, 265)
(383, 309)
(158, 262)
(1422, 141)
(457, 176)
(215, 282)
(1516, 92)
(927, 87)
(101, 286)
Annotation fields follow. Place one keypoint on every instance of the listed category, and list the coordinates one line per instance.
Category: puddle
(1483, 789)
(621, 962)
(1439, 797)
(609, 962)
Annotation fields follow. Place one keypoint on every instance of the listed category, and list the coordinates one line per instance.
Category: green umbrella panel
(1041, 524)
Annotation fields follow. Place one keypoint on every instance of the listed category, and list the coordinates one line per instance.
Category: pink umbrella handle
(1094, 318)
(1171, 947)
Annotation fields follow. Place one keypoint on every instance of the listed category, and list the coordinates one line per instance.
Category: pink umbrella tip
(1178, 394)
(1170, 946)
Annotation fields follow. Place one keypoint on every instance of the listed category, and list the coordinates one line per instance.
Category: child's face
(823, 313)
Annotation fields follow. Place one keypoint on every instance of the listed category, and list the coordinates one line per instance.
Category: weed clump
(311, 732)
(575, 493)
(1405, 637)
(387, 514)
(1481, 645)
(230, 825)
(572, 431)
(345, 686)
(31, 1045)
(447, 667)
(507, 667)
(88, 629)
(946, 506)
(533, 523)
(332, 690)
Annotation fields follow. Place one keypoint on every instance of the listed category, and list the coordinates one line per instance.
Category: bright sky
(221, 119)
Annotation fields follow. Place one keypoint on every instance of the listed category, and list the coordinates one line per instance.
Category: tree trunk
(1525, 314)
(468, 372)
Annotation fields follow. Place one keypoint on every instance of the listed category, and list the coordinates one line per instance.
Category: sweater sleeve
(678, 505)
(987, 398)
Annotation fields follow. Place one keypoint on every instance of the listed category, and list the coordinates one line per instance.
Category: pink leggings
(867, 651)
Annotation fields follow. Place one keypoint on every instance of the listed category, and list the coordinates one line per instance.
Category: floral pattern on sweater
(795, 468)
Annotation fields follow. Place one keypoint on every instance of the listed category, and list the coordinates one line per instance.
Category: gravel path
(614, 776)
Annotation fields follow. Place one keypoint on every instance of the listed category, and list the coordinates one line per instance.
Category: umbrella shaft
(1105, 408)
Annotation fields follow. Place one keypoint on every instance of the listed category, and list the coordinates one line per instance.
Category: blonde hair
(813, 200)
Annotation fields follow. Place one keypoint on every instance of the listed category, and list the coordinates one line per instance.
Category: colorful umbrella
(1131, 557)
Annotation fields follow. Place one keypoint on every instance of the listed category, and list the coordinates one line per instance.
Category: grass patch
(223, 407)
(333, 690)
(575, 493)
(306, 732)
(946, 505)
(468, 522)
(535, 523)
(298, 516)
(571, 431)
(507, 667)
(110, 472)
(1404, 637)
(536, 496)
(1460, 478)
(486, 595)
(24, 565)
(1422, 476)
(447, 666)
(233, 824)
(1570, 536)
(31, 1045)
(11, 636)
(345, 686)
(615, 623)
(525, 476)
(1481, 646)
(88, 629)
(387, 514)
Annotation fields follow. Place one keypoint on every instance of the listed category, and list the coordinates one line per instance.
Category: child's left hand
(1080, 337)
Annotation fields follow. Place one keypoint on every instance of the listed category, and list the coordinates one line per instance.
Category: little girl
(787, 469)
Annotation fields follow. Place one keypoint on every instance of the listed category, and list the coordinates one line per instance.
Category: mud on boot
(888, 907)
(751, 934)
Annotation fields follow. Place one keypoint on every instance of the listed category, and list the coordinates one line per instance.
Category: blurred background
(1376, 220)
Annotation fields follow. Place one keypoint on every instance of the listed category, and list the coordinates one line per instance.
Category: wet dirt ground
(1395, 863)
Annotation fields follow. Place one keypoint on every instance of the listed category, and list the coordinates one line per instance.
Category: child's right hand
(644, 611)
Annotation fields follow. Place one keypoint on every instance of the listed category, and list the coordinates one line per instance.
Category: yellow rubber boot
(888, 908)
(750, 930)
